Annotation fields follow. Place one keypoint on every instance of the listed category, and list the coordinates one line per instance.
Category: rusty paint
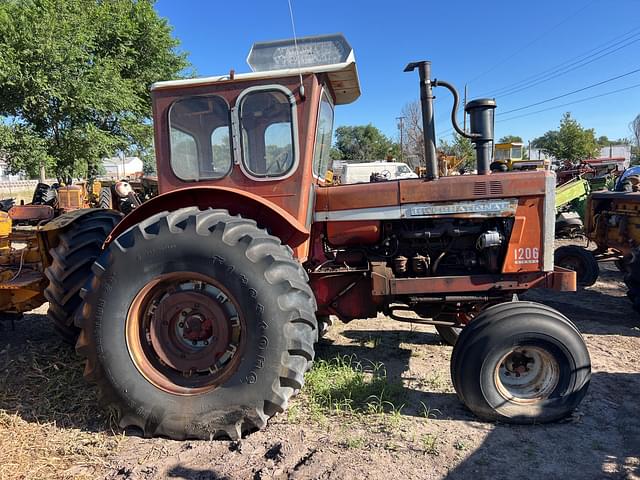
(559, 279)
(353, 233)
(31, 213)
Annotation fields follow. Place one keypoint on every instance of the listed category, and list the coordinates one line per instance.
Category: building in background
(122, 167)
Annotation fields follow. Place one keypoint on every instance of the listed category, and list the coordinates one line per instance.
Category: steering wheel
(281, 161)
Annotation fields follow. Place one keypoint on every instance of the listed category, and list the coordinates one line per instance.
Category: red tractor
(202, 312)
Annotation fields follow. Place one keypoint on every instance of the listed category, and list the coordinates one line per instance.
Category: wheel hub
(184, 333)
(189, 331)
(527, 375)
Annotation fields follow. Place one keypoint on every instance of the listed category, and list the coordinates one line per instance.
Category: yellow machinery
(511, 154)
(78, 195)
(38, 252)
(22, 283)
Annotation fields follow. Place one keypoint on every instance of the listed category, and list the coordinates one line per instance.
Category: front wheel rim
(526, 375)
(185, 333)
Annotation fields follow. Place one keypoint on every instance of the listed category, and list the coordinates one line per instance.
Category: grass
(354, 442)
(26, 195)
(345, 385)
(49, 419)
(460, 445)
(428, 412)
(430, 444)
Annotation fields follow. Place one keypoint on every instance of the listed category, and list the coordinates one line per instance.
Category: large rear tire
(521, 362)
(581, 261)
(197, 324)
(45, 195)
(632, 278)
(105, 199)
(78, 248)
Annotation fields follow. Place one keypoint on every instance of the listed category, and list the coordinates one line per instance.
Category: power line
(564, 68)
(571, 93)
(570, 103)
(542, 35)
(446, 132)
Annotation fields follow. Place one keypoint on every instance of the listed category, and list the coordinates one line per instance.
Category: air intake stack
(481, 121)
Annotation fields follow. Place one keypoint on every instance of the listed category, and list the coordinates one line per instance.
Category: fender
(238, 202)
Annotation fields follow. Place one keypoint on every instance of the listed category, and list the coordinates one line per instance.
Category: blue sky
(489, 45)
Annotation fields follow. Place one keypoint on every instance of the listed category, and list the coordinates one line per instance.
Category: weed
(354, 442)
(395, 416)
(430, 444)
(293, 414)
(370, 342)
(428, 412)
(436, 382)
(344, 385)
(459, 445)
(392, 446)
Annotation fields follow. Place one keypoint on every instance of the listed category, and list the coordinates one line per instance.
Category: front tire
(521, 362)
(579, 260)
(197, 324)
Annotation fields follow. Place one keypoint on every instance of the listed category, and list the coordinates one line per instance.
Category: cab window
(199, 132)
(324, 132)
(516, 152)
(266, 121)
(402, 170)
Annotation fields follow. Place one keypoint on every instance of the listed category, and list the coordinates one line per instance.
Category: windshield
(321, 158)
(267, 133)
(199, 138)
(502, 154)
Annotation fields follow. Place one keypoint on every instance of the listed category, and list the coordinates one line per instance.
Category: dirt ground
(50, 427)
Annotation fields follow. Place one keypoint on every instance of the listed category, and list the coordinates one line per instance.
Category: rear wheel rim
(526, 375)
(185, 333)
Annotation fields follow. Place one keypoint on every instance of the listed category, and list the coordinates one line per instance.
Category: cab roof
(301, 56)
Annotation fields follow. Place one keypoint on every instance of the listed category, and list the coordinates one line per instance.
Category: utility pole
(401, 126)
(464, 112)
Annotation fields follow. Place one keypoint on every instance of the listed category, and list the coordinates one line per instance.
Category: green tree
(461, 148)
(75, 74)
(570, 142)
(510, 139)
(362, 142)
(24, 150)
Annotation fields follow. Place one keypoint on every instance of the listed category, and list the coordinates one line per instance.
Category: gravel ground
(51, 428)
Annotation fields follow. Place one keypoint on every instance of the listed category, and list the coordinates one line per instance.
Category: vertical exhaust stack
(428, 124)
(481, 122)
(481, 119)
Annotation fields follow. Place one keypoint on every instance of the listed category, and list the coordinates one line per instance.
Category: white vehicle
(362, 172)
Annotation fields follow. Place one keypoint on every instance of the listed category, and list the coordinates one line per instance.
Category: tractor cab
(509, 154)
(267, 132)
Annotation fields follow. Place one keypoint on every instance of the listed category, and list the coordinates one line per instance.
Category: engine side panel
(455, 240)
